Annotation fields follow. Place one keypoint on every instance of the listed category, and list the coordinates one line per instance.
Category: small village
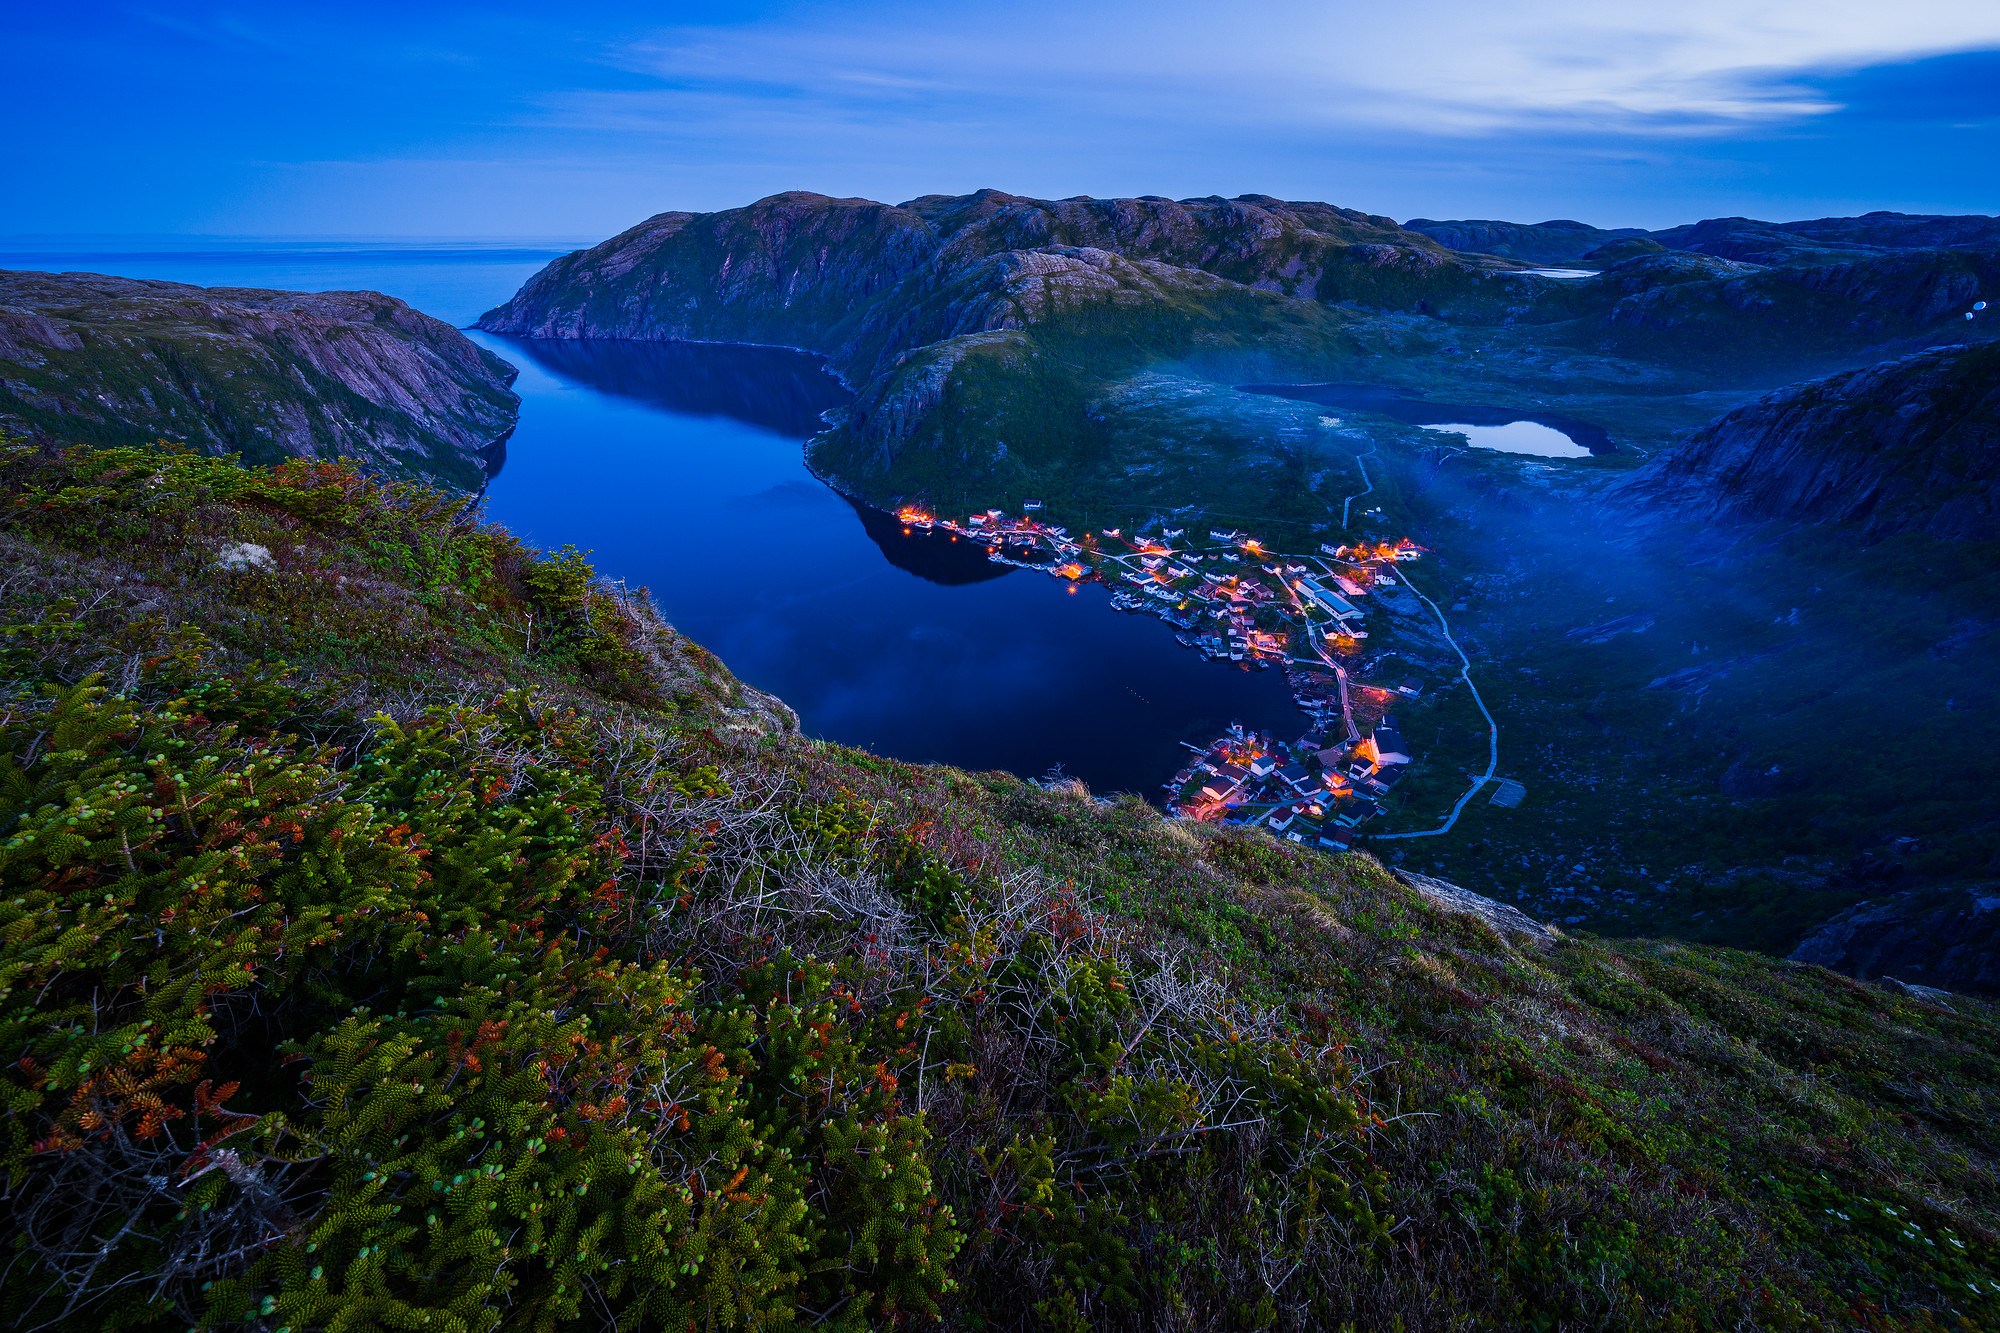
(1234, 600)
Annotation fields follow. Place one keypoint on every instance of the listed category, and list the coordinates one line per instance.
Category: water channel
(680, 468)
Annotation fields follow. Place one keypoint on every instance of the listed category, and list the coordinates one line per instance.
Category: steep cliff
(265, 374)
(982, 333)
(1906, 445)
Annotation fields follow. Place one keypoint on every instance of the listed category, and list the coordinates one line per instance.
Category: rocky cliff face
(1907, 445)
(1946, 938)
(262, 373)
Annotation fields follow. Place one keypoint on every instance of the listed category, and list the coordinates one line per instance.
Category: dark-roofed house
(1381, 780)
(1357, 812)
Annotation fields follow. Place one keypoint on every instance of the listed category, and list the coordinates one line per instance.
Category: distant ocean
(454, 279)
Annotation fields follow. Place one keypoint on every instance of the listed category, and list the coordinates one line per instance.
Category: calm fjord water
(680, 468)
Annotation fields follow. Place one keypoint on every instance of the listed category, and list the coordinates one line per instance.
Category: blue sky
(546, 120)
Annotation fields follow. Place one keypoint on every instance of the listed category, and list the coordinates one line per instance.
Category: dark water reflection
(939, 557)
(679, 466)
(774, 387)
(1391, 403)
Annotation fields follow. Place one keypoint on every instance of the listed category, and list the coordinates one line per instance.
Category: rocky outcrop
(1907, 445)
(977, 330)
(264, 374)
(1948, 939)
(1756, 242)
(794, 269)
(1509, 922)
(1558, 242)
(1902, 230)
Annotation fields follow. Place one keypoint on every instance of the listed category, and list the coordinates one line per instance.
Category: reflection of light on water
(1518, 437)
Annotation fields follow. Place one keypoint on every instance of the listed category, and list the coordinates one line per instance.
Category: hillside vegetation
(404, 930)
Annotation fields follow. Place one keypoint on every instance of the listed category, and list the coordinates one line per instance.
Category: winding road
(1492, 727)
(1367, 485)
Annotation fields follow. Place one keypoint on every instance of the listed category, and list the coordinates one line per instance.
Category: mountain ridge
(266, 374)
(1815, 240)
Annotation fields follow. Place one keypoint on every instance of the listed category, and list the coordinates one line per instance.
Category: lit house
(1220, 788)
(1332, 602)
(1390, 747)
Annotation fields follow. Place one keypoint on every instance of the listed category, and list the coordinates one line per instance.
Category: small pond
(1516, 437)
(1506, 429)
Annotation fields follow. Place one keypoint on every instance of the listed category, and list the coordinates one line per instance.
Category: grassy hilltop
(404, 930)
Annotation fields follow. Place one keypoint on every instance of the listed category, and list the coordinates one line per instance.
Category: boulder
(1511, 923)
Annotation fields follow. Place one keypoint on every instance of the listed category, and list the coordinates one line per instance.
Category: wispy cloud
(515, 116)
(1450, 67)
